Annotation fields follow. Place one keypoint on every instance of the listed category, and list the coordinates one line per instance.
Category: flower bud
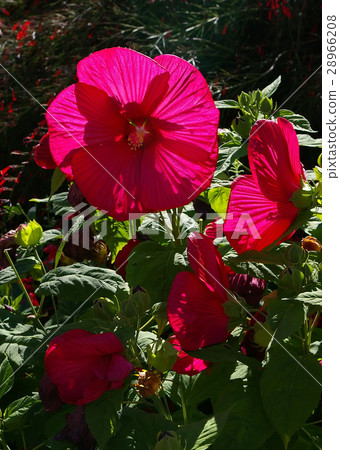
(291, 281)
(303, 198)
(159, 311)
(29, 235)
(148, 383)
(242, 126)
(142, 300)
(106, 309)
(310, 243)
(98, 252)
(167, 440)
(129, 308)
(161, 355)
(243, 99)
(294, 254)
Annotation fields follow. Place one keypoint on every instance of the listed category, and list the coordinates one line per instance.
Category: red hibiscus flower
(195, 301)
(186, 364)
(84, 365)
(262, 201)
(42, 153)
(137, 134)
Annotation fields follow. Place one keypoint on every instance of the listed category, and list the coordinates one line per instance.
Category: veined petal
(42, 153)
(108, 177)
(82, 115)
(187, 100)
(195, 313)
(168, 180)
(126, 75)
(290, 136)
(207, 264)
(253, 221)
(270, 159)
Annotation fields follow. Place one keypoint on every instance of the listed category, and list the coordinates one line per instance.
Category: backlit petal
(253, 221)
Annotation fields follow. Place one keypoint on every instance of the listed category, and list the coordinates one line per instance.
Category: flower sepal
(303, 198)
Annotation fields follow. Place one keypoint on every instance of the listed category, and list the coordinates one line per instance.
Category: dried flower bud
(310, 243)
(148, 383)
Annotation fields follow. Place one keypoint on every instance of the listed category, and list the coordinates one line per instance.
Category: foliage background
(237, 45)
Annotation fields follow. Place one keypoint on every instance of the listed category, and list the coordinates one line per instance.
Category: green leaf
(16, 413)
(270, 272)
(58, 179)
(274, 256)
(102, 416)
(230, 104)
(307, 141)
(50, 235)
(299, 122)
(247, 426)
(81, 282)
(6, 377)
(154, 267)
(269, 90)
(290, 393)
(285, 318)
(310, 298)
(139, 430)
(23, 266)
(200, 435)
(218, 199)
(222, 352)
(77, 224)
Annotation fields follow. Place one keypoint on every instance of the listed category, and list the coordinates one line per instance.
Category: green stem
(160, 407)
(43, 297)
(184, 406)
(23, 439)
(9, 259)
(146, 323)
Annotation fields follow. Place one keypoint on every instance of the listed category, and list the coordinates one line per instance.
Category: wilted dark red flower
(250, 288)
(84, 365)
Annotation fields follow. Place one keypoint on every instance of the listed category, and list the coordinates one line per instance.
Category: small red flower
(84, 365)
(186, 364)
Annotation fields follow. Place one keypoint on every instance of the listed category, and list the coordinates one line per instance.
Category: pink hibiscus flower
(84, 365)
(262, 201)
(186, 364)
(195, 303)
(138, 135)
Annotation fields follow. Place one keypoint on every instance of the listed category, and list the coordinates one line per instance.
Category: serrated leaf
(310, 298)
(290, 393)
(218, 199)
(80, 282)
(299, 122)
(6, 377)
(23, 266)
(269, 90)
(285, 318)
(58, 179)
(15, 414)
(307, 141)
(230, 104)
(154, 267)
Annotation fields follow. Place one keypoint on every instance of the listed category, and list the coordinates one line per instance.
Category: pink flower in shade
(84, 365)
(195, 303)
(186, 364)
(138, 135)
(263, 200)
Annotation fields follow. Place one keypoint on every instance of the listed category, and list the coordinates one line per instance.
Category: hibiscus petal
(270, 162)
(109, 178)
(126, 75)
(207, 264)
(186, 364)
(195, 313)
(253, 221)
(119, 368)
(187, 100)
(168, 180)
(42, 153)
(290, 136)
(82, 115)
